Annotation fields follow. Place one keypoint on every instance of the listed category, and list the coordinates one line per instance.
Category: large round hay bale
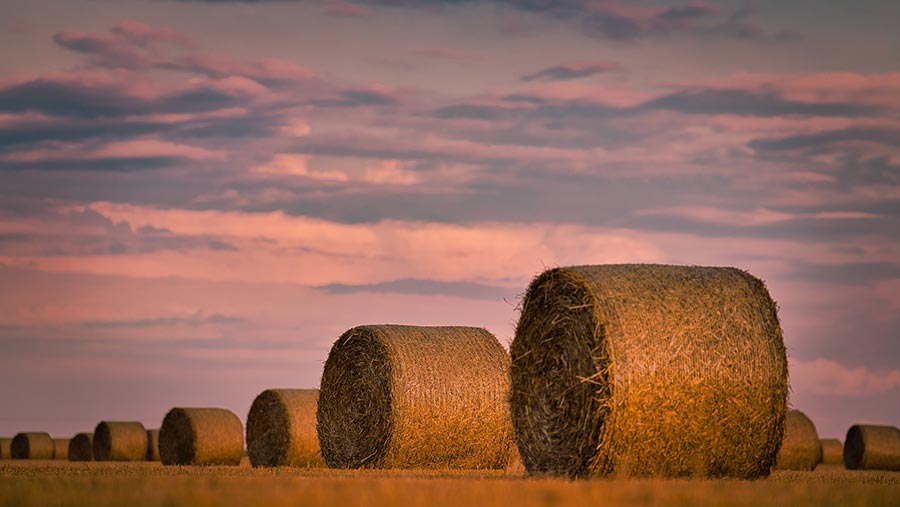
(832, 451)
(415, 397)
(800, 447)
(870, 447)
(201, 436)
(648, 370)
(153, 445)
(120, 441)
(61, 448)
(81, 447)
(281, 429)
(31, 446)
(5, 444)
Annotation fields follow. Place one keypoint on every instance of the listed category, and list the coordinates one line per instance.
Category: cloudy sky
(198, 197)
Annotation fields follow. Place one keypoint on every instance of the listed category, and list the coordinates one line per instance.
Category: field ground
(54, 483)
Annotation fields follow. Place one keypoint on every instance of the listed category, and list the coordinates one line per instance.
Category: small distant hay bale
(870, 447)
(800, 448)
(153, 445)
(201, 436)
(61, 448)
(81, 447)
(415, 397)
(648, 370)
(31, 446)
(5, 444)
(281, 429)
(832, 451)
(120, 441)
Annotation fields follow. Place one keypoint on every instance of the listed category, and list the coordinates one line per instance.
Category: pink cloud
(338, 8)
(830, 378)
(447, 54)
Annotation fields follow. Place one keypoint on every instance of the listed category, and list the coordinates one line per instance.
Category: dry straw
(832, 451)
(648, 370)
(800, 448)
(81, 447)
(153, 445)
(5, 444)
(281, 429)
(120, 441)
(31, 446)
(415, 397)
(201, 436)
(61, 448)
(869, 447)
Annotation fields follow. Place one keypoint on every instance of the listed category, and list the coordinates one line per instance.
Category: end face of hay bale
(31, 446)
(81, 447)
(648, 370)
(870, 447)
(832, 451)
(120, 441)
(153, 445)
(61, 448)
(201, 436)
(800, 448)
(5, 444)
(281, 429)
(415, 397)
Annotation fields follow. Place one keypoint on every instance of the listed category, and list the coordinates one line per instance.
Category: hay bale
(5, 444)
(201, 436)
(61, 448)
(800, 447)
(415, 397)
(31, 446)
(869, 447)
(281, 429)
(648, 370)
(153, 445)
(120, 441)
(832, 451)
(81, 447)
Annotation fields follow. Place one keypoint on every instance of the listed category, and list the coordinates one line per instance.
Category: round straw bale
(120, 441)
(832, 451)
(31, 446)
(5, 443)
(800, 447)
(153, 445)
(415, 397)
(281, 429)
(648, 370)
(81, 447)
(869, 447)
(201, 436)
(61, 448)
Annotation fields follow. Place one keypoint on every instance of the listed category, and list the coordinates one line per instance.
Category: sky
(198, 197)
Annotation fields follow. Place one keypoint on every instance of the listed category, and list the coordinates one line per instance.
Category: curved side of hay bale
(153, 445)
(870, 447)
(415, 397)
(201, 436)
(81, 447)
(648, 370)
(34, 445)
(5, 444)
(120, 441)
(61, 448)
(281, 429)
(800, 448)
(832, 451)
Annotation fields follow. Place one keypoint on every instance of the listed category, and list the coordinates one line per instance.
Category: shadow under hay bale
(870, 447)
(415, 397)
(31, 446)
(648, 370)
(81, 447)
(120, 441)
(153, 445)
(61, 448)
(201, 436)
(281, 429)
(800, 448)
(832, 451)
(5, 444)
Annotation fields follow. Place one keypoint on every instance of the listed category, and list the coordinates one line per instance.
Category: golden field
(48, 483)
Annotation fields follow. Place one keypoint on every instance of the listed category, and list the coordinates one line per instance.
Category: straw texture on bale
(832, 451)
(120, 441)
(61, 448)
(648, 370)
(415, 397)
(5, 444)
(281, 429)
(800, 447)
(31, 446)
(201, 436)
(869, 447)
(153, 445)
(81, 447)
